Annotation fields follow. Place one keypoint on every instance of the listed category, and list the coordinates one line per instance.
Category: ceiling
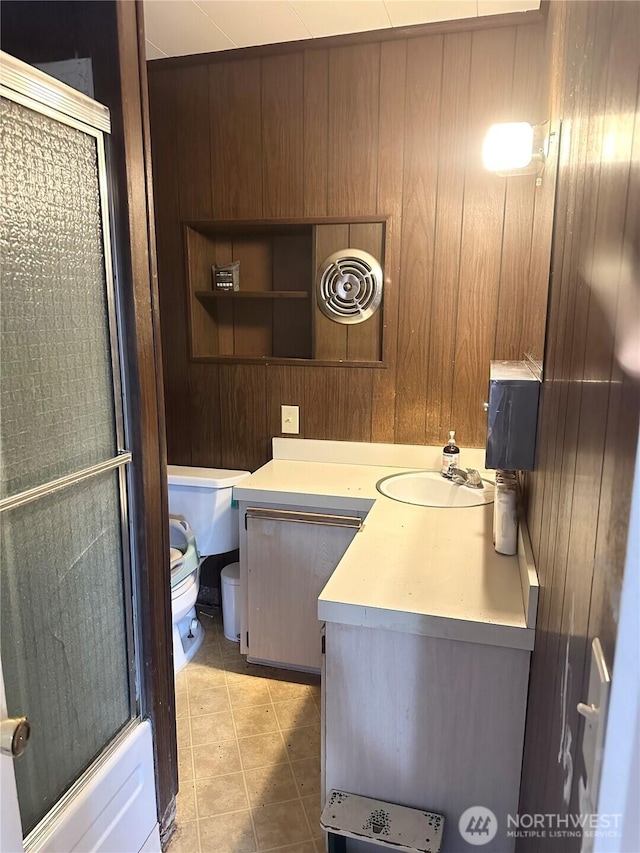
(181, 27)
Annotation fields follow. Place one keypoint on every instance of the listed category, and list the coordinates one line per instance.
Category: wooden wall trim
(511, 19)
(147, 401)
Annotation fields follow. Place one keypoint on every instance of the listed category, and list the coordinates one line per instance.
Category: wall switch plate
(290, 419)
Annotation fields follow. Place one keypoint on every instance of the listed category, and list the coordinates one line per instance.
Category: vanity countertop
(423, 570)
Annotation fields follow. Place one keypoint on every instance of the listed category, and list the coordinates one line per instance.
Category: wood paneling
(243, 416)
(193, 151)
(235, 123)
(202, 404)
(392, 128)
(173, 301)
(515, 272)
(579, 498)
(354, 74)
(282, 135)
(492, 62)
(253, 318)
(291, 318)
(316, 132)
(393, 72)
(448, 234)
(420, 182)
(338, 402)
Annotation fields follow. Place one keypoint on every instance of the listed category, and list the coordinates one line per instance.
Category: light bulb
(508, 146)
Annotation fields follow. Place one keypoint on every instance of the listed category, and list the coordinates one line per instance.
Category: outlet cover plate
(290, 420)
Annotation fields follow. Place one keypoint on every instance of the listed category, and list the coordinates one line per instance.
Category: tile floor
(248, 755)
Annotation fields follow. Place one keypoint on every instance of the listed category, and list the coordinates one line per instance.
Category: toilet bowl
(203, 522)
(185, 581)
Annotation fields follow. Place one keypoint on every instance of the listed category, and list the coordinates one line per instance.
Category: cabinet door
(289, 562)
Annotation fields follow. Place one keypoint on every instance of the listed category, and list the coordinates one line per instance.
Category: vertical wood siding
(579, 496)
(391, 128)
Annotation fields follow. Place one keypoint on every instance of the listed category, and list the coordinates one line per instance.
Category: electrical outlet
(290, 419)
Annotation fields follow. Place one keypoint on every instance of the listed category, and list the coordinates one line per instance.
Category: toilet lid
(175, 555)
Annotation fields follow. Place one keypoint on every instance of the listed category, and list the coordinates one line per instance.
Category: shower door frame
(37, 91)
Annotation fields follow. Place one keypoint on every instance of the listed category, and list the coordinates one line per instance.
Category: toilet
(202, 522)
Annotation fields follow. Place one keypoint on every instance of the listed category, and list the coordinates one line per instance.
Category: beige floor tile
(229, 648)
(321, 844)
(280, 824)
(220, 795)
(256, 720)
(207, 655)
(204, 678)
(236, 742)
(262, 750)
(229, 833)
(210, 728)
(307, 775)
(297, 712)
(215, 759)
(316, 695)
(311, 806)
(184, 839)
(183, 732)
(211, 634)
(254, 691)
(185, 764)
(208, 701)
(186, 802)
(283, 691)
(182, 704)
(241, 672)
(232, 662)
(270, 785)
(302, 743)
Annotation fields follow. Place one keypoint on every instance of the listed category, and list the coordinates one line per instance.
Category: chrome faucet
(471, 477)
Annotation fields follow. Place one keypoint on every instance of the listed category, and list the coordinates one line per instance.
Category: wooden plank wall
(391, 127)
(579, 498)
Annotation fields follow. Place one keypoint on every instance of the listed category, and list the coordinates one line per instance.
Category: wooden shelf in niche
(269, 316)
(274, 315)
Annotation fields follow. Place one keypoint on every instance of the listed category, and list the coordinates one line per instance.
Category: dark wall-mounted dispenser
(512, 416)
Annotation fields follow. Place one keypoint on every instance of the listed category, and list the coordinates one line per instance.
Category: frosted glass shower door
(66, 612)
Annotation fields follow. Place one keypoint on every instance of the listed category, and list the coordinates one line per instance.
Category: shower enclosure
(68, 632)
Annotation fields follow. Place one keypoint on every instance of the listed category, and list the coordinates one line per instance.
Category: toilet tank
(203, 497)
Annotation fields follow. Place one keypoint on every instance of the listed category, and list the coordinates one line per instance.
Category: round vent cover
(349, 286)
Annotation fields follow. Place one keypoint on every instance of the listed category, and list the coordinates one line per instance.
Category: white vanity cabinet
(287, 555)
(426, 722)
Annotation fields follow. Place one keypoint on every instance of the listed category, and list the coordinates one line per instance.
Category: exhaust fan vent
(349, 286)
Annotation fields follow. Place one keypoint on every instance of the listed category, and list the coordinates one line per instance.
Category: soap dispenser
(450, 454)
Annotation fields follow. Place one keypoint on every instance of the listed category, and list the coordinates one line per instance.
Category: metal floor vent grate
(349, 286)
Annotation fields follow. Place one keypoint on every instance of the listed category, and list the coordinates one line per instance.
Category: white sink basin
(430, 488)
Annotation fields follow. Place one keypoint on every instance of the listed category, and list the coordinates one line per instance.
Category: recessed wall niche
(274, 316)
